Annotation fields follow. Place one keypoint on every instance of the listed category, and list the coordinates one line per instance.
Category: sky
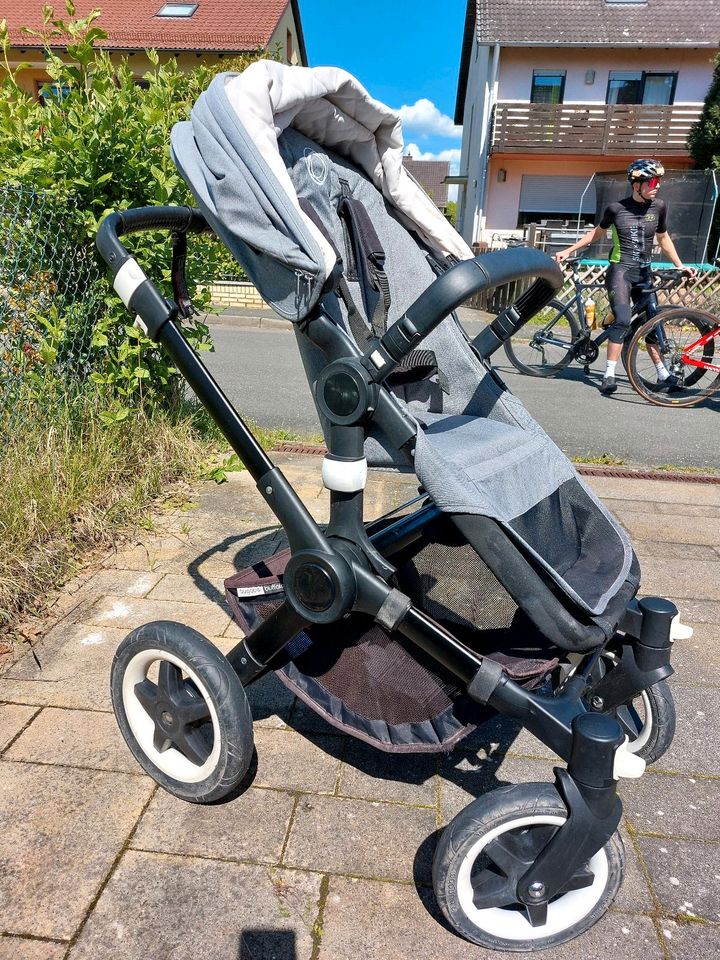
(407, 55)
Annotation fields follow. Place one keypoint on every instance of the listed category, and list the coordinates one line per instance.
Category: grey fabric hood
(228, 154)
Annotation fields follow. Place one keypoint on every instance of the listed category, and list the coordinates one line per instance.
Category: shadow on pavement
(267, 945)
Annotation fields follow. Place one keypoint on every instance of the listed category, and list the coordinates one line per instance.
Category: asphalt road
(261, 372)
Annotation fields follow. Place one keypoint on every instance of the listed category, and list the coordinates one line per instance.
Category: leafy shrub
(105, 143)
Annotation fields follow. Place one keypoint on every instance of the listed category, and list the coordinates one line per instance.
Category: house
(432, 177)
(211, 29)
(550, 93)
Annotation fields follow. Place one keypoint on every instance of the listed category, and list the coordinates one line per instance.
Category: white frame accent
(128, 278)
(344, 476)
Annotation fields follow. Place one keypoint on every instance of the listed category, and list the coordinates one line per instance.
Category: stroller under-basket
(505, 585)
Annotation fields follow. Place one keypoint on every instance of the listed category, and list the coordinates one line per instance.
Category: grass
(604, 459)
(70, 485)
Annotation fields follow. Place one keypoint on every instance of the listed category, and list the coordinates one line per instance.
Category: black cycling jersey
(634, 226)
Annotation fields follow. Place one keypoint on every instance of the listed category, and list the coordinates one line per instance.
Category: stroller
(505, 586)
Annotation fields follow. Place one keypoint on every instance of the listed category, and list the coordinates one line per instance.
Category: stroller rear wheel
(487, 848)
(182, 710)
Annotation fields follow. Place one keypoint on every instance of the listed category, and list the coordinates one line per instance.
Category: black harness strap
(419, 364)
(369, 258)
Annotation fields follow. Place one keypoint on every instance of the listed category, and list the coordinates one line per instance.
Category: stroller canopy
(228, 154)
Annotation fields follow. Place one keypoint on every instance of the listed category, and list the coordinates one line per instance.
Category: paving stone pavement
(325, 853)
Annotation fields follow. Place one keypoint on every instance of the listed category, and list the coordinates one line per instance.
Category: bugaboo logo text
(317, 165)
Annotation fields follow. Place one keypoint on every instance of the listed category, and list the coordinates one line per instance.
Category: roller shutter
(556, 195)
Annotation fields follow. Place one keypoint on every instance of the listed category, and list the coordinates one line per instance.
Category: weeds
(603, 459)
(69, 483)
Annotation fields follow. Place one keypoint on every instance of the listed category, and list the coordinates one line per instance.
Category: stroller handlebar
(462, 281)
(128, 278)
(180, 219)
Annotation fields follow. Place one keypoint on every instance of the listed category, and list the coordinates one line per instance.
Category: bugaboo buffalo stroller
(506, 585)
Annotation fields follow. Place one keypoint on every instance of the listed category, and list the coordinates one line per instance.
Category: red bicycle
(685, 340)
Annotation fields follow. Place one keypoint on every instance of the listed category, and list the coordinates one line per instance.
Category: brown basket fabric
(363, 679)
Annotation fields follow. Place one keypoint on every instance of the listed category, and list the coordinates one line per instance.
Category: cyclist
(636, 222)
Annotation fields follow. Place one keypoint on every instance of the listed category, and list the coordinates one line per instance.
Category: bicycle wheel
(543, 351)
(673, 332)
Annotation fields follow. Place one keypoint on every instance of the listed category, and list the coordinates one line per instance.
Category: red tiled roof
(225, 25)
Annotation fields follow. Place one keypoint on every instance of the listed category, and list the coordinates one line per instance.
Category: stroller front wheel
(485, 850)
(182, 710)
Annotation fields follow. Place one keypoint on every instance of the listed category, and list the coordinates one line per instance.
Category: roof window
(177, 10)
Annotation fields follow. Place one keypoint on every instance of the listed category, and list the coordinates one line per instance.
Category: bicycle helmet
(645, 170)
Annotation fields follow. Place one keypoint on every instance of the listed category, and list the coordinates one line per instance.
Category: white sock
(610, 368)
(661, 371)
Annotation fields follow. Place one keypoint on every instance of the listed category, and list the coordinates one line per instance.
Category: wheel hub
(511, 856)
(177, 711)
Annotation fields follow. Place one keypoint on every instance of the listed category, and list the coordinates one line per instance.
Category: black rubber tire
(699, 383)
(488, 813)
(661, 731)
(551, 369)
(229, 735)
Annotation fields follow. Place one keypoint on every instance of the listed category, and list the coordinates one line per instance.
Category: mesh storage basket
(375, 685)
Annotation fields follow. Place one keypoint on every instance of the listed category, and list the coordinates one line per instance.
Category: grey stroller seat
(477, 452)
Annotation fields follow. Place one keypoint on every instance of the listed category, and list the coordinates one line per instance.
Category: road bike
(565, 335)
(686, 341)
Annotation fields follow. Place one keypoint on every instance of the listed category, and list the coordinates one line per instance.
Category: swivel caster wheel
(490, 845)
(648, 719)
(182, 710)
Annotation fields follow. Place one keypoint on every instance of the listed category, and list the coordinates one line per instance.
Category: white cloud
(452, 155)
(424, 119)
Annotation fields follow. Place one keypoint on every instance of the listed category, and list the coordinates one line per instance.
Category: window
(177, 10)
(548, 86)
(47, 91)
(636, 86)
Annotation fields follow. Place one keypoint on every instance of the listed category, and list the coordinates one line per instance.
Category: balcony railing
(592, 128)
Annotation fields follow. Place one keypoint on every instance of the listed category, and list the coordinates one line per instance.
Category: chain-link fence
(49, 293)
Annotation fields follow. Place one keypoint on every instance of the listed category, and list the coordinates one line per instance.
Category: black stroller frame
(346, 568)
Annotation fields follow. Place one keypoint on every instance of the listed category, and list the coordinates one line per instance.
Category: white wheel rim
(568, 910)
(170, 761)
(642, 738)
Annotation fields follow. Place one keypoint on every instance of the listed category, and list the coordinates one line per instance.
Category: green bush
(104, 143)
(704, 140)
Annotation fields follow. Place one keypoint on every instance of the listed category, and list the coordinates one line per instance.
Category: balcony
(593, 128)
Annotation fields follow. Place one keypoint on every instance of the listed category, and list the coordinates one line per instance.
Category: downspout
(490, 101)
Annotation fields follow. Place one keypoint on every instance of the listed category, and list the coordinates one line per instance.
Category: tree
(704, 143)
(704, 139)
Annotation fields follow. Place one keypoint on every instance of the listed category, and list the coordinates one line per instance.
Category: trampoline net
(690, 196)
